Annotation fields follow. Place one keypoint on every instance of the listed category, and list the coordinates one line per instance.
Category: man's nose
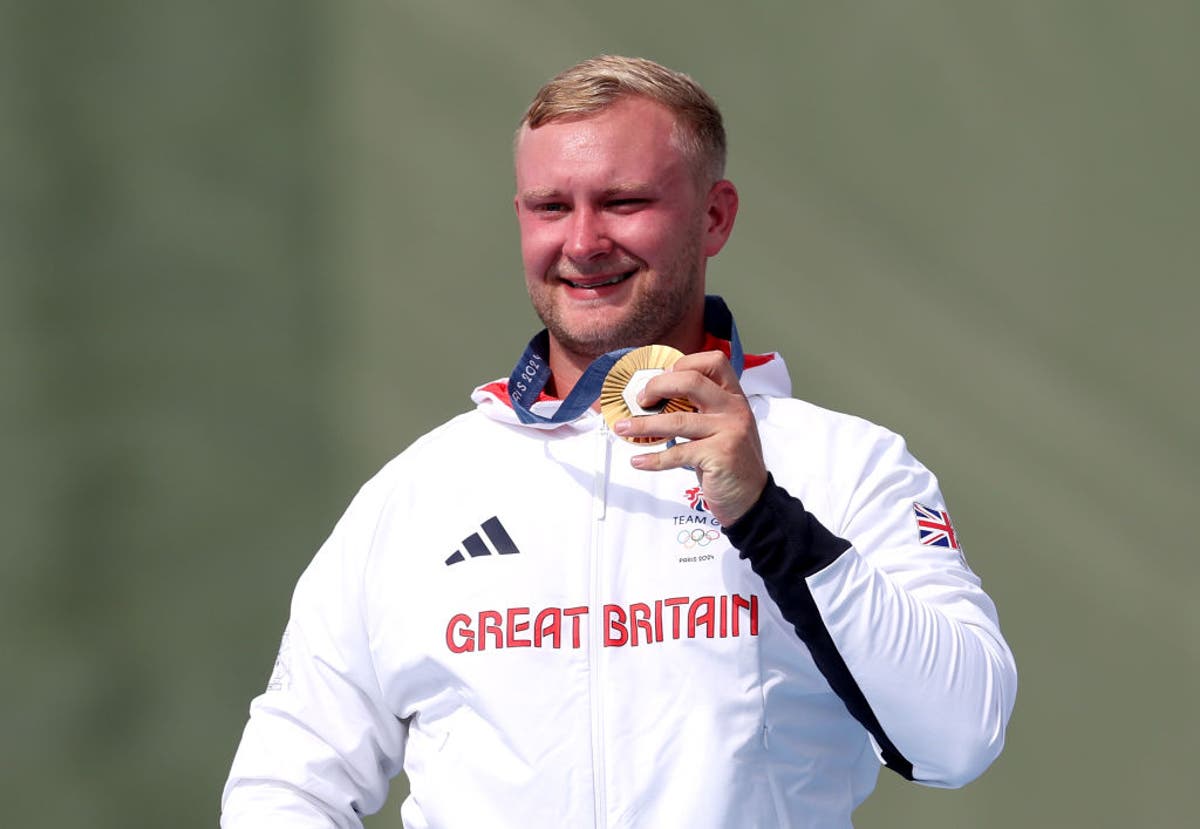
(587, 237)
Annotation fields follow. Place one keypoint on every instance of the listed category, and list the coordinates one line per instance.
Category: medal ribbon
(532, 371)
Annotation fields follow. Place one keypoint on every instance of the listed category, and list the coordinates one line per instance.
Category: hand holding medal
(707, 412)
(702, 401)
(626, 379)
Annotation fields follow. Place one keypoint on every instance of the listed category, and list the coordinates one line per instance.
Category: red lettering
(548, 624)
(514, 627)
(614, 619)
(674, 604)
(460, 624)
(575, 614)
(740, 603)
(489, 622)
(636, 611)
(639, 624)
(701, 613)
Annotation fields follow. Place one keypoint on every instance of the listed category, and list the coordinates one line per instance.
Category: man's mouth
(602, 283)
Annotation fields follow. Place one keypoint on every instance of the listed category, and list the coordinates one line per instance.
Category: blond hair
(597, 83)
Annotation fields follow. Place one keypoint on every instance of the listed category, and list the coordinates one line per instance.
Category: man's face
(612, 226)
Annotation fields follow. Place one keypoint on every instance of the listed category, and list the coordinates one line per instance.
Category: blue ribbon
(532, 371)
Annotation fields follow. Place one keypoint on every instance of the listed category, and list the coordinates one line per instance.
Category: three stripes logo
(475, 546)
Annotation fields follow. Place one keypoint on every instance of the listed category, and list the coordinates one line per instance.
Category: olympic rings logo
(697, 537)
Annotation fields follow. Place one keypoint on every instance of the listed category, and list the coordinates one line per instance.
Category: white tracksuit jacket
(540, 635)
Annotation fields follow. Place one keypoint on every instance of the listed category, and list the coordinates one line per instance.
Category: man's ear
(720, 211)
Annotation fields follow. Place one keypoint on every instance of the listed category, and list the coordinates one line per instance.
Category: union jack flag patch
(935, 527)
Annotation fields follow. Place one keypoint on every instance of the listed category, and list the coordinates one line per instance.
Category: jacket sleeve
(321, 744)
(902, 631)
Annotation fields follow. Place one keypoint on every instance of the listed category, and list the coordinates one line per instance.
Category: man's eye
(550, 207)
(627, 204)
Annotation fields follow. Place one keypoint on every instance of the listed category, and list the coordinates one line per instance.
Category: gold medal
(628, 376)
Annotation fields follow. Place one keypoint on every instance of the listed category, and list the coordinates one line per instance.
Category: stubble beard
(660, 304)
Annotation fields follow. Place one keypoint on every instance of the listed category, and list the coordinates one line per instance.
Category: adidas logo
(475, 546)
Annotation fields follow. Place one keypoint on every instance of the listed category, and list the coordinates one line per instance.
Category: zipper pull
(600, 473)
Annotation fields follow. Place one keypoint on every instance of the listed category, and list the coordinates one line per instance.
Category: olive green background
(249, 250)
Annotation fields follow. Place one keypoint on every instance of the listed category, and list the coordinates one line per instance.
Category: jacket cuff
(781, 539)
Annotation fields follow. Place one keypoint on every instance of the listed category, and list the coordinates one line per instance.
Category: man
(545, 625)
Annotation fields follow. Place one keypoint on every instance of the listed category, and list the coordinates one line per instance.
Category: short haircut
(597, 83)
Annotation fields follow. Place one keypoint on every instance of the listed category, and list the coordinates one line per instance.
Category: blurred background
(250, 250)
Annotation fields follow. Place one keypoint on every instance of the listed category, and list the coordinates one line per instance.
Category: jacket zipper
(596, 628)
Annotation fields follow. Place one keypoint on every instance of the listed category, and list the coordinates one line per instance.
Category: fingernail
(622, 427)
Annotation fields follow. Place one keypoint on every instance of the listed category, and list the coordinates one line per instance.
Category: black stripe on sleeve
(785, 544)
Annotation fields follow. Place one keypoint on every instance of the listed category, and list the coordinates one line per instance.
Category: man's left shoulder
(816, 423)
(838, 448)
